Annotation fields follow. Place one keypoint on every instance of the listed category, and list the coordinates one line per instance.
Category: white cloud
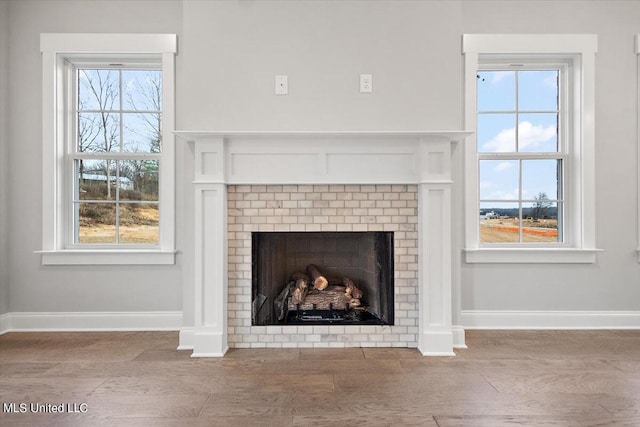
(530, 137)
(503, 166)
(498, 76)
(502, 195)
(550, 81)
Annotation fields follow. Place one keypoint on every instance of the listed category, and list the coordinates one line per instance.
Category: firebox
(322, 278)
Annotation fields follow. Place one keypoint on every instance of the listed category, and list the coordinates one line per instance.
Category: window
(108, 166)
(116, 155)
(529, 184)
(521, 153)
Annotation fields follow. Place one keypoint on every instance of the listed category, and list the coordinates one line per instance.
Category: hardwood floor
(504, 378)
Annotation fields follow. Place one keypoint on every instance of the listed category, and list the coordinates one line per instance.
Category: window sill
(108, 257)
(531, 256)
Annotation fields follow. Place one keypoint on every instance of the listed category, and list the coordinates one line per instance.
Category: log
(317, 279)
(334, 281)
(354, 302)
(350, 289)
(322, 300)
(300, 275)
(300, 291)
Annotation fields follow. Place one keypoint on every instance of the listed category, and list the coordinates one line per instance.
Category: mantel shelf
(190, 135)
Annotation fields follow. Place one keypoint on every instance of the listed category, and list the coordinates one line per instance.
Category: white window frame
(57, 51)
(579, 50)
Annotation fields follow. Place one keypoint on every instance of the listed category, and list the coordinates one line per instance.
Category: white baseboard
(4, 323)
(499, 319)
(458, 336)
(91, 321)
(187, 334)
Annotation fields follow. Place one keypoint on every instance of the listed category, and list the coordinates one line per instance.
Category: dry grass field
(138, 225)
(505, 230)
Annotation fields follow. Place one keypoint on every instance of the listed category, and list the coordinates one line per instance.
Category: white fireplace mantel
(266, 158)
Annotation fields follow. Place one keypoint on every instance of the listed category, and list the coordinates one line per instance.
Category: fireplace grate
(324, 317)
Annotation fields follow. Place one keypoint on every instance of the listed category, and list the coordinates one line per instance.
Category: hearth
(342, 278)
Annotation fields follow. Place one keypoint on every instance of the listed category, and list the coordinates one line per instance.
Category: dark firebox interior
(364, 257)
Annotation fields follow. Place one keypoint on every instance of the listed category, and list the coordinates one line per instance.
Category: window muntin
(116, 155)
(522, 154)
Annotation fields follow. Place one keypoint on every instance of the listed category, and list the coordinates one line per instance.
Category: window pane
(499, 222)
(499, 180)
(98, 90)
(538, 90)
(139, 223)
(98, 132)
(96, 222)
(538, 132)
(496, 90)
(141, 178)
(496, 133)
(142, 90)
(540, 179)
(116, 201)
(92, 177)
(540, 223)
(141, 132)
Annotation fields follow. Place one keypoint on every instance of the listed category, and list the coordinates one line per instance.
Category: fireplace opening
(322, 278)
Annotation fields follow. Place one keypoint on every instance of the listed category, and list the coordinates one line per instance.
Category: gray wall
(37, 288)
(228, 55)
(411, 48)
(4, 154)
(614, 282)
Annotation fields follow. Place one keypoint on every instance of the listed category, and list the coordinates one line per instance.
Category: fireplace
(287, 184)
(322, 278)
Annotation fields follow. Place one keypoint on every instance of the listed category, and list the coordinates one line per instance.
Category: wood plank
(546, 378)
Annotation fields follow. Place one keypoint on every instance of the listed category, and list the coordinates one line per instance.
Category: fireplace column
(435, 337)
(210, 293)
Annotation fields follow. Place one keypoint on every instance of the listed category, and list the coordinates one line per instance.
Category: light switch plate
(282, 85)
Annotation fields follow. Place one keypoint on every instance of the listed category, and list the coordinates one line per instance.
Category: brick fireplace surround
(322, 181)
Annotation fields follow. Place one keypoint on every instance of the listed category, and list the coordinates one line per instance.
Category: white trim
(427, 157)
(458, 336)
(107, 257)
(90, 321)
(581, 48)
(319, 157)
(108, 43)
(186, 337)
(191, 136)
(56, 49)
(5, 323)
(530, 43)
(531, 255)
(498, 319)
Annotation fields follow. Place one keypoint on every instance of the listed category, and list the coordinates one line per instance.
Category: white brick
(312, 338)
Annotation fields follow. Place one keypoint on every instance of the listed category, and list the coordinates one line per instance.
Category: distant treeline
(550, 212)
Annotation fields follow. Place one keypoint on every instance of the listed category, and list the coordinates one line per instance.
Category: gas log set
(311, 296)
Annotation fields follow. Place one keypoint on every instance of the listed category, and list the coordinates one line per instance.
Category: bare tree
(98, 128)
(104, 95)
(541, 206)
(146, 99)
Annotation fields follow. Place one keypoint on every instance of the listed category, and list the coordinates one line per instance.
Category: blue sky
(138, 98)
(532, 110)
